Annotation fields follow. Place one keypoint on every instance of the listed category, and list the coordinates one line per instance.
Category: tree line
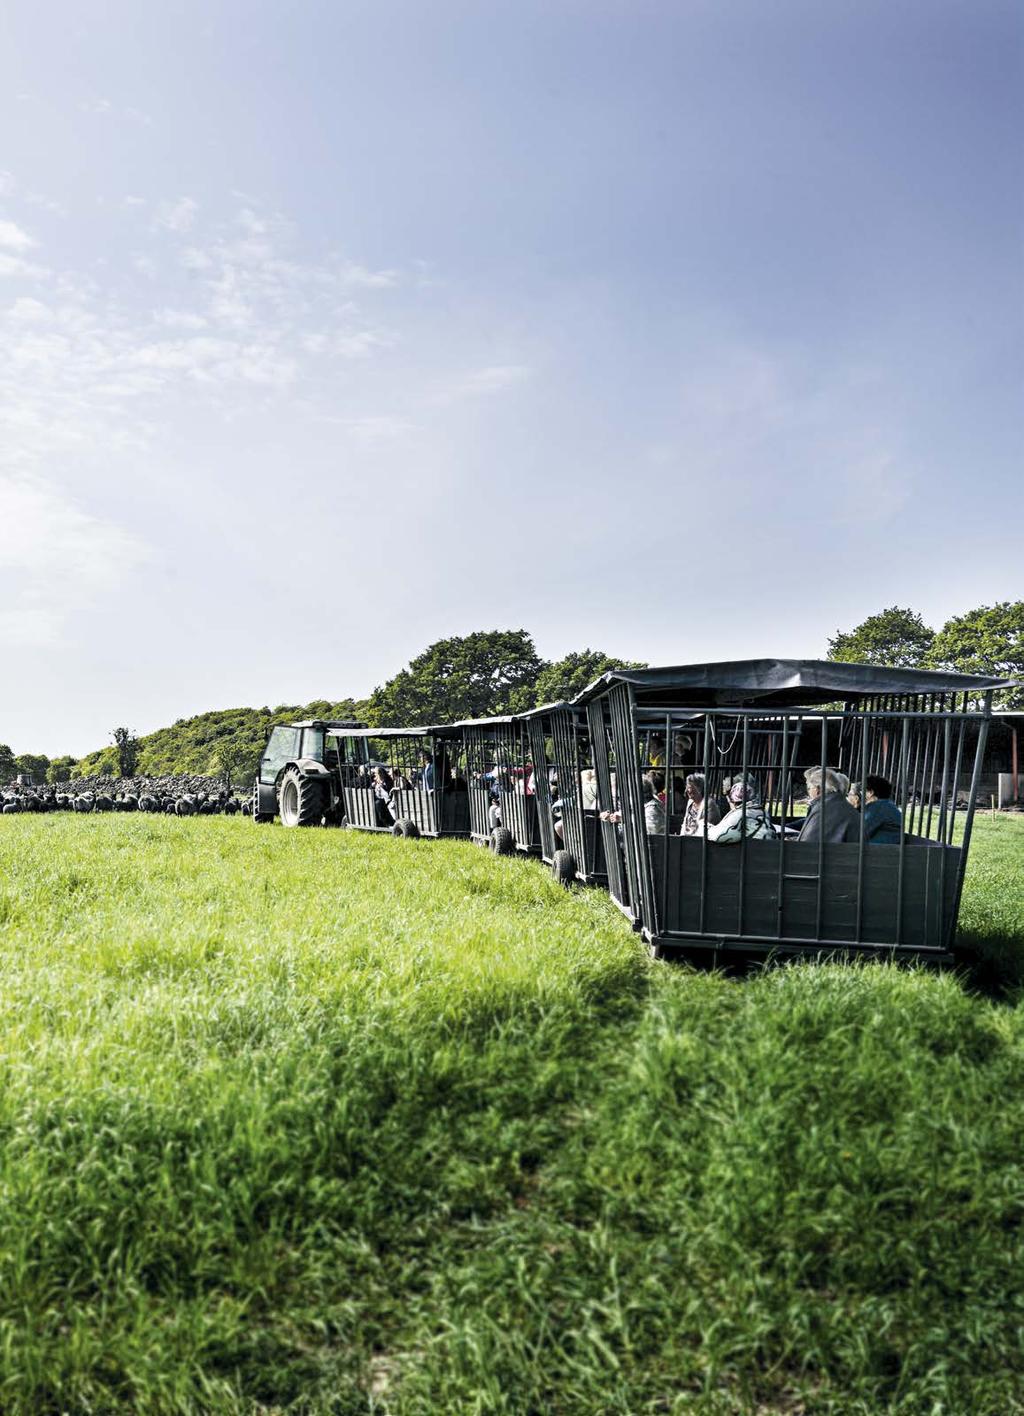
(988, 640)
(500, 671)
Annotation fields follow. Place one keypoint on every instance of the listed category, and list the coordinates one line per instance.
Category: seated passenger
(883, 820)
(698, 807)
(656, 750)
(654, 812)
(745, 817)
(383, 787)
(829, 815)
(588, 789)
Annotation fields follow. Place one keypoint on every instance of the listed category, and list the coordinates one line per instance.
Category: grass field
(327, 1123)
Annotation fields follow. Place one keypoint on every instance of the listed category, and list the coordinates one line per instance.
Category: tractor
(299, 777)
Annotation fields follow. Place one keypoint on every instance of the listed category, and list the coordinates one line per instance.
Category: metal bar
(743, 825)
(780, 902)
(821, 828)
(704, 833)
(864, 746)
(904, 758)
(969, 816)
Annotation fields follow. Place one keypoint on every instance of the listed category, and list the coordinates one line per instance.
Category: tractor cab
(299, 775)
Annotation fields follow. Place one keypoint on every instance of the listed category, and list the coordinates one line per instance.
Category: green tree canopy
(491, 671)
(60, 769)
(8, 766)
(126, 743)
(571, 675)
(32, 763)
(988, 640)
(897, 638)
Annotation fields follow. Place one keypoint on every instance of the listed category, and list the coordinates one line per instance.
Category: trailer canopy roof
(512, 717)
(779, 682)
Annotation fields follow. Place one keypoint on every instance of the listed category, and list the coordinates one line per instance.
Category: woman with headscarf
(745, 817)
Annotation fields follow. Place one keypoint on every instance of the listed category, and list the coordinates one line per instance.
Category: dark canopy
(779, 683)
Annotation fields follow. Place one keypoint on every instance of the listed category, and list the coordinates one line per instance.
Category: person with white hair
(829, 815)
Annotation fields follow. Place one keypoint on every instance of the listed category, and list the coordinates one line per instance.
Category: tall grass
(322, 1122)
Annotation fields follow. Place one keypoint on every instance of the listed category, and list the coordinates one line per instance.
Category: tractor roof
(328, 723)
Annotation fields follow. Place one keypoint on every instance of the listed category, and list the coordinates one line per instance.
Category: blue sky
(684, 330)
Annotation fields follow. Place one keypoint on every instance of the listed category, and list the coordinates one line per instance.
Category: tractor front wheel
(300, 800)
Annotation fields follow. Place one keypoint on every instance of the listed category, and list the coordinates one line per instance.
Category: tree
(8, 766)
(34, 765)
(896, 637)
(60, 769)
(988, 640)
(127, 744)
(491, 671)
(571, 675)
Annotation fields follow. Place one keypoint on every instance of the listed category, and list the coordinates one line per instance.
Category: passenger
(829, 815)
(654, 812)
(698, 807)
(656, 750)
(426, 770)
(657, 780)
(883, 820)
(745, 817)
(383, 787)
(588, 789)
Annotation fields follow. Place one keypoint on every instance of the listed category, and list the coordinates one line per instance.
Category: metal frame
(438, 810)
(690, 895)
(502, 781)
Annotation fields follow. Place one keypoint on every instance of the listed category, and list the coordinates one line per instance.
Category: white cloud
(56, 558)
(491, 379)
(179, 319)
(106, 109)
(178, 216)
(12, 238)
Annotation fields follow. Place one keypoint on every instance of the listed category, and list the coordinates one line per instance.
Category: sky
(685, 331)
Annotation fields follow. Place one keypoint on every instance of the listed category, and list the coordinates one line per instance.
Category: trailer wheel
(563, 868)
(409, 829)
(300, 799)
(502, 841)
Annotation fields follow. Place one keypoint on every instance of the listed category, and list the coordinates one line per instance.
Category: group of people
(834, 809)
(431, 774)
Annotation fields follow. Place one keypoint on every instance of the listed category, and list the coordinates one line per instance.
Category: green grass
(321, 1122)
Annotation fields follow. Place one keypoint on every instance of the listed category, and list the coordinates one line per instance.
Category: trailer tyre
(408, 828)
(502, 841)
(563, 868)
(300, 799)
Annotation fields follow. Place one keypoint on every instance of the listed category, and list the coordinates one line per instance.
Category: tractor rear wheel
(300, 799)
(563, 868)
(502, 841)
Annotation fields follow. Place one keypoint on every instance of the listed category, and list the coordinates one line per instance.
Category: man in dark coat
(829, 814)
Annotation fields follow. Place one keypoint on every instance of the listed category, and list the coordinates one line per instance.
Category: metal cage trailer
(566, 791)
(748, 733)
(502, 784)
(409, 781)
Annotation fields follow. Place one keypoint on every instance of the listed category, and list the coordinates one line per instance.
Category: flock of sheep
(172, 796)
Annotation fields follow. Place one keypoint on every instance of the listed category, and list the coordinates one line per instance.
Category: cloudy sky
(686, 330)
